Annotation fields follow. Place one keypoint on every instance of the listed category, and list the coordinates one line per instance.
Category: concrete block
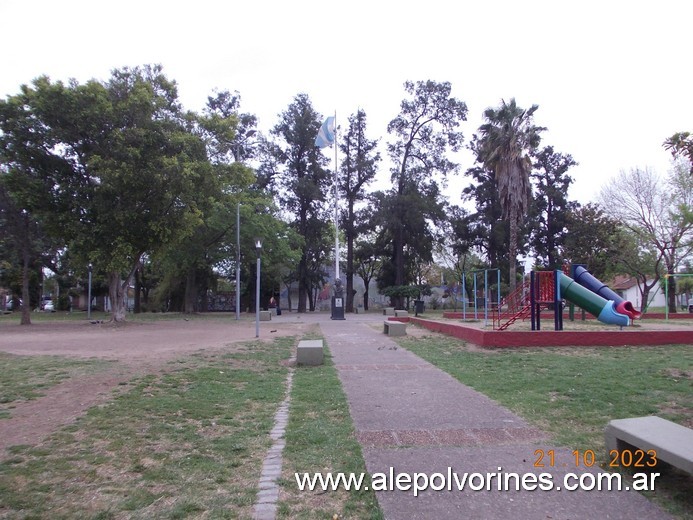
(309, 352)
(388, 311)
(401, 313)
(672, 442)
(394, 328)
(265, 315)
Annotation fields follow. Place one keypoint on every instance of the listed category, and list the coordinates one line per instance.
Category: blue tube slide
(587, 280)
(604, 310)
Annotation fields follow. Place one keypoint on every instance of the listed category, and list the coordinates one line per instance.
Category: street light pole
(258, 249)
(238, 261)
(89, 295)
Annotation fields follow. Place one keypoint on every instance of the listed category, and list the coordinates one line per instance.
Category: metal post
(464, 296)
(498, 287)
(238, 262)
(485, 297)
(258, 248)
(476, 300)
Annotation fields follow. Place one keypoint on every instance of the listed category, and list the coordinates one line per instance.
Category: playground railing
(513, 307)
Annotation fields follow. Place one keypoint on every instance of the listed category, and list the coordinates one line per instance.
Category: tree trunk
(26, 297)
(672, 292)
(138, 289)
(396, 301)
(190, 304)
(350, 259)
(117, 292)
(288, 296)
(512, 250)
(302, 284)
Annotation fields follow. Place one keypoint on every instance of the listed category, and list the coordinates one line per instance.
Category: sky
(612, 78)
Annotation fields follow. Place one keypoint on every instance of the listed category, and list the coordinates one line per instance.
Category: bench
(394, 328)
(672, 442)
(399, 313)
(309, 352)
(388, 311)
(265, 315)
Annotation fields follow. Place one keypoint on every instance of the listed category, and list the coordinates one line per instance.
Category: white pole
(336, 205)
(238, 261)
(257, 298)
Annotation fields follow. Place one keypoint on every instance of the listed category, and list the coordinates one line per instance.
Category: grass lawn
(25, 378)
(320, 437)
(572, 393)
(185, 443)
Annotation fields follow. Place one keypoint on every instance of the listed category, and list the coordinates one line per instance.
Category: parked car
(690, 306)
(10, 303)
(48, 306)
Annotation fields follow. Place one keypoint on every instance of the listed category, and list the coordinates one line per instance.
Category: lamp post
(89, 294)
(258, 249)
(238, 261)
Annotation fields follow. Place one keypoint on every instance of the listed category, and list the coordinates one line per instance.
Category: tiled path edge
(266, 505)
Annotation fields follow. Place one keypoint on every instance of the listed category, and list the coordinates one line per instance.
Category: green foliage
(112, 166)
(426, 129)
(295, 170)
(503, 146)
(591, 239)
(402, 291)
(681, 146)
(549, 207)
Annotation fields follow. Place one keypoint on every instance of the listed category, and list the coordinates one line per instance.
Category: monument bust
(338, 290)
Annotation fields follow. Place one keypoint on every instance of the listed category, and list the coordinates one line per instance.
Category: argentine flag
(326, 134)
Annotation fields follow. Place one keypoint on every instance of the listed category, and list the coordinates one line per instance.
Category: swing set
(486, 293)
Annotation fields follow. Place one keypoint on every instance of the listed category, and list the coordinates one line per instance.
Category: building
(627, 287)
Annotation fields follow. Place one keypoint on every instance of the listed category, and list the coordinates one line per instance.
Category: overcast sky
(612, 78)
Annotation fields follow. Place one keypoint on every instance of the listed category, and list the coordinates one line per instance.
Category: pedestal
(337, 308)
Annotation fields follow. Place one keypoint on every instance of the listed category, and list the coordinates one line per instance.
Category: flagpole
(336, 205)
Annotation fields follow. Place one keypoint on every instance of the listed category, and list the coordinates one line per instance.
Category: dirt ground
(138, 348)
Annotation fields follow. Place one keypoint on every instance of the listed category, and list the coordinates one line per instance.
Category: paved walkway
(415, 418)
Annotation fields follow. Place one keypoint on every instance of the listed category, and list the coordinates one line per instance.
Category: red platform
(550, 338)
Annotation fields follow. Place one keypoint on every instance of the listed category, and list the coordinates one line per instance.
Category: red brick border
(549, 315)
(550, 338)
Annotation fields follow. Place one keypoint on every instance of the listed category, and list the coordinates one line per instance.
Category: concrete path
(411, 417)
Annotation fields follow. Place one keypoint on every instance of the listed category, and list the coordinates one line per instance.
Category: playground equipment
(486, 293)
(546, 289)
(586, 279)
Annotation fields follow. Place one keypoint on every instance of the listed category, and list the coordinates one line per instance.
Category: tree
(550, 205)
(590, 239)
(642, 262)
(358, 168)
(484, 229)
(23, 243)
(368, 265)
(505, 143)
(119, 164)
(681, 146)
(424, 131)
(658, 211)
(295, 170)
(226, 183)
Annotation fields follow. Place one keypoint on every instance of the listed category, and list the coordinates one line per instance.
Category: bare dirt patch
(138, 348)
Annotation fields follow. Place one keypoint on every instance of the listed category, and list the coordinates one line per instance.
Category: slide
(604, 310)
(585, 278)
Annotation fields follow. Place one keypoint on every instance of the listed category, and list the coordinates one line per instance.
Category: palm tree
(504, 144)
